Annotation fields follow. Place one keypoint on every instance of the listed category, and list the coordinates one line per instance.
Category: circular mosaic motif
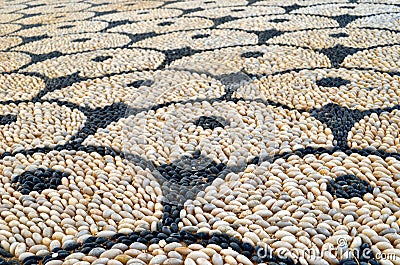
(164, 25)
(54, 17)
(280, 22)
(98, 63)
(253, 60)
(198, 39)
(10, 61)
(63, 28)
(37, 125)
(309, 89)
(19, 87)
(199, 132)
(139, 15)
(73, 43)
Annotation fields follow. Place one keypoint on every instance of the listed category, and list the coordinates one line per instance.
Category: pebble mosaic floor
(199, 132)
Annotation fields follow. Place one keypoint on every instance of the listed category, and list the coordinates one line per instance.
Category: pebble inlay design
(211, 132)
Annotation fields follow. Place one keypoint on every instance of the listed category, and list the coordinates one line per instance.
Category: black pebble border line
(182, 180)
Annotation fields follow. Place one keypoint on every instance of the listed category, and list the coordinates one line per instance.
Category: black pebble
(174, 227)
(211, 122)
(100, 59)
(31, 260)
(348, 186)
(81, 40)
(235, 247)
(101, 240)
(166, 23)
(5, 253)
(339, 35)
(3, 262)
(62, 254)
(38, 180)
(252, 54)
(86, 250)
(278, 20)
(72, 246)
(200, 36)
(7, 119)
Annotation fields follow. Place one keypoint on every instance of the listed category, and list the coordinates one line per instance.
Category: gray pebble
(120, 246)
(138, 246)
(96, 252)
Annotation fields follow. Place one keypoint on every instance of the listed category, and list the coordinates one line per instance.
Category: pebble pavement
(199, 132)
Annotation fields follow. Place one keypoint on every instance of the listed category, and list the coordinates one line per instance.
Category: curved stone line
(146, 236)
(341, 119)
(92, 114)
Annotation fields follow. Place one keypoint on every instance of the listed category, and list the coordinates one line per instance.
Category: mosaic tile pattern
(199, 132)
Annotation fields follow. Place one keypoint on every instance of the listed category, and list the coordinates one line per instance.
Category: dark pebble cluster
(257, 254)
(211, 122)
(38, 180)
(7, 119)
(348, 186)
(5, 258)
(339, 119)
(332, 82)
(185, 177)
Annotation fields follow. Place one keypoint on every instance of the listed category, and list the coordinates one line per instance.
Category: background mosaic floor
(199, 132)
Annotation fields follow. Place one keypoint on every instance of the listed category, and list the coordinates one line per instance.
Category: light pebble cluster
(9, 42)
(63, 28)
(383, 21)
(254, 130)
(167, 25)
(192, 4)
(124, 6)
(11, 8)
(140, 90)
(294, 2)
(239, 11)
(6, 29)
(328, 38)
(102, 196)
(348, 9)
(56, 7)
(382, 59)
(140, 15)
(10, 61)
(19, 87)
(112, 61)
(301, 90)
(201, 39)
(377, 132)
(280, 22)
(6, 18)
(38, 125)
(258, 59)
(54, 17)
(74, 43)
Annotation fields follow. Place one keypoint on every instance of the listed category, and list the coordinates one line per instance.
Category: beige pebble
(189, 261)
(114, 262)
(159, 259)
(198, 254)
(230, 260)
(243, 259)
(110, 254)
(173, 261)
